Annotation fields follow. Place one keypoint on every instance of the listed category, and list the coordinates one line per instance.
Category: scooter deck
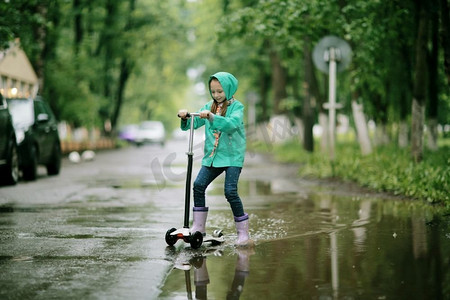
(215, 239)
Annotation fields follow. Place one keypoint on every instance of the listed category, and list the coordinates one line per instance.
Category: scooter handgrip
(188, 115)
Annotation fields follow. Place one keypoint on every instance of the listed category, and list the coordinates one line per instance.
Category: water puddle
(318, 245)
(311, 242)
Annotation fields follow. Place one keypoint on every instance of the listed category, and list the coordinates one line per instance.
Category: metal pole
(187, 277)
(332, 100)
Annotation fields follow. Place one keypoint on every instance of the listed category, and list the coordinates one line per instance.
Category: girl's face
(217, 91)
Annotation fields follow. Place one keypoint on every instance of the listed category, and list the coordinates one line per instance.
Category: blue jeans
(207, 175)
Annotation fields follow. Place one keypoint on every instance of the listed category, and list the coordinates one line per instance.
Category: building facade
(17, 76)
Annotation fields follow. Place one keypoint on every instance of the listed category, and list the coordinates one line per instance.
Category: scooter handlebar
(192, 114)
(188, 115)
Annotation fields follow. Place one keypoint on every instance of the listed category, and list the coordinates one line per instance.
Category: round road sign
(342, 51)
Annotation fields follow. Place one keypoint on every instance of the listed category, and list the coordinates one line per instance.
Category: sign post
(332, 55)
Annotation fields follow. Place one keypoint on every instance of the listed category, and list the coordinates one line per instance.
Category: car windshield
(22, 112)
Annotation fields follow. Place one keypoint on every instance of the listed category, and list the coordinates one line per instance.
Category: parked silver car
(151, 132)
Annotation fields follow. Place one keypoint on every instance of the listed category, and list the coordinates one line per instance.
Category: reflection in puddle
(323, 246)
(194, 267)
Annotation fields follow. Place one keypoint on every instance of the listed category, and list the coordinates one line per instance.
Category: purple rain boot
(243, 239)
(199, 215)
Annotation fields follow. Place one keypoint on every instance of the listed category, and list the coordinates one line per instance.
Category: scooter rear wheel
(196, 240)
(171, 239)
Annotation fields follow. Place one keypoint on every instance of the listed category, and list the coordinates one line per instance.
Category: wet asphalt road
(96, 230)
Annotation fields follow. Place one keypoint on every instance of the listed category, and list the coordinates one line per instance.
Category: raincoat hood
(228, 81)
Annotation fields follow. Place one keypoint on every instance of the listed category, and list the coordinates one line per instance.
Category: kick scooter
(196, 238)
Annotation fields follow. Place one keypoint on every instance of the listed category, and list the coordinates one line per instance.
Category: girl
(224, 151)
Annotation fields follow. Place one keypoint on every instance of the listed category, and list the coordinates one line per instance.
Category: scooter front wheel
(171, 239)
(196, 240)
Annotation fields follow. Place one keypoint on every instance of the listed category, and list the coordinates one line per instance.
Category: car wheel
(11, 170)
(54, 166)
(30, 171)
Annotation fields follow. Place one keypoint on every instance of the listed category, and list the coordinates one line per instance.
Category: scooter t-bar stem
(187, 200)
(191, 132)
(190, 155)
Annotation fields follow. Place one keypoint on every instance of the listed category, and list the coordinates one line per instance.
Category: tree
(119, 60)
(310, 88)
(433, 93)
(445, 35)
(419, 91)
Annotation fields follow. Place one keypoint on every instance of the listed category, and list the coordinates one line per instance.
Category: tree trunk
(301, 129)
(404, 105)
(433, 83)
(107, 52)
(123, 78)
(381, 134)
(381, 106)
(403, 130)
(78, 26)
(417, 130)
(307, 111)
(432, 134)
(445, 36)
(419, 90)
(125, 70)
(47, 36)
(403, 134)
(279, 79)
(297, 110)
(264, 80)
(361, 128)
(40, 33)
(109, 45)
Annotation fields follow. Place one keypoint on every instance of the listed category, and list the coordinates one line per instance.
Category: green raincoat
(230, 150)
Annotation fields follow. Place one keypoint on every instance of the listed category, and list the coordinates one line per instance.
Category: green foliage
(388, 169)
(159, 40)
(9, 23)
(115, 41)
(72, 96)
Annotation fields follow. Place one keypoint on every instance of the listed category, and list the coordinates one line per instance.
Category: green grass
(388, 168)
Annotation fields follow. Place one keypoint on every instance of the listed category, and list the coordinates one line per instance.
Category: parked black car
(9, 160)
(37, 136)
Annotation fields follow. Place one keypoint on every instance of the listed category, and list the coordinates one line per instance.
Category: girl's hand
(204, 114)
(182, 113)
